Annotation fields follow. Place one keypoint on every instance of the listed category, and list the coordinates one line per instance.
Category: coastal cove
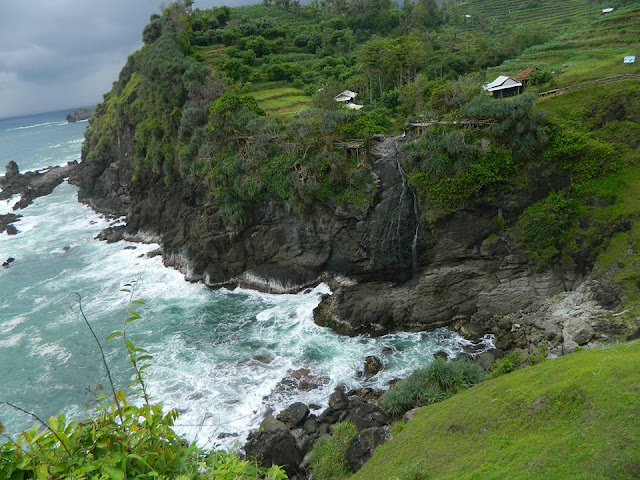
(217, 352)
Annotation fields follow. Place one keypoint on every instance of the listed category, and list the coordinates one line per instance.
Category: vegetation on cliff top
(569, 418)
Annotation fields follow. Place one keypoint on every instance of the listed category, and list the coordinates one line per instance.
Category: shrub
(544, 229)
(328, 457)
(432, 384)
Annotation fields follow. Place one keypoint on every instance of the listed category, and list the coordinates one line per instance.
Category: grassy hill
(593, 51)
(501, 16)
(577, 417)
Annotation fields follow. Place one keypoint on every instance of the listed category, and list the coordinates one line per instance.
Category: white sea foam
(6, 206)
(46, 124)
(11, 340)
(9, 325)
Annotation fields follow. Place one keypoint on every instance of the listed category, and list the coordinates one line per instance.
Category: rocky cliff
(279, 249)
(387, 274)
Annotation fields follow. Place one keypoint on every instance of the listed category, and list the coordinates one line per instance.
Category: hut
(503, 86)
(347, 99)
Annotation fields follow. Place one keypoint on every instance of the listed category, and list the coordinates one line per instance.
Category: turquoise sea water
(219, 355)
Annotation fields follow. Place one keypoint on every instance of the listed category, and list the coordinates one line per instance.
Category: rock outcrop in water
(31, 185)
(79, 115)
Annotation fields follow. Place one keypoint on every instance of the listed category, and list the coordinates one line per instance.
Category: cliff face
(280, 249)
(453, 270)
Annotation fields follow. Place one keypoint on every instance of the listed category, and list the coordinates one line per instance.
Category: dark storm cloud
(57, 54)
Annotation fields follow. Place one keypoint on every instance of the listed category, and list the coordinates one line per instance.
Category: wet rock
(372, 365)
(271, 424)
(364, 444)
(294, 415)
(11, 230)
(277, 447)
(66, 249)
(154, 253)
(224, 435)
(303, 440)
(12, 170)
(387, 350)
(441, 354)
(112, 234)
(8, 262)
(130, 247)
(31, 185)
(311, 425)
(338, 400)
(7, 219)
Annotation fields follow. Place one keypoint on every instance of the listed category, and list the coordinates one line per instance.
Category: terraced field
(503, 16)
(595, 51)
(279, 100)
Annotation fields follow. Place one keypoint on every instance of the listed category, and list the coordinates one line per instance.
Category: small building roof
(345, 96)
(353, 106)
(524, 74)
(629, 59)
(607, 10)
(501, 83)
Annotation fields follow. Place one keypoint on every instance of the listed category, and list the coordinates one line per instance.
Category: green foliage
(328, 457)
(545, 229)
(583, 155)
(432, 384)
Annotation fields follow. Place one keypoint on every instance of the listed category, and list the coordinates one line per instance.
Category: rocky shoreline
(32, 185)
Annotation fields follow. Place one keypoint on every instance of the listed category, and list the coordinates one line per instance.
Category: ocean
(220, 357)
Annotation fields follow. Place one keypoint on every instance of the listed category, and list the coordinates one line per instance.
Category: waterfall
(406, 187)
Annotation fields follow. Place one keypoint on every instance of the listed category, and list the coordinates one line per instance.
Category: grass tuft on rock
(432, 384)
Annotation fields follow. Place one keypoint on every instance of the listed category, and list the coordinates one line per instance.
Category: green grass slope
(577, 417)
(592, 52)
(501, 16)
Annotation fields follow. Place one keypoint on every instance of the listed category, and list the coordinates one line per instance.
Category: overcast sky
(62, 54)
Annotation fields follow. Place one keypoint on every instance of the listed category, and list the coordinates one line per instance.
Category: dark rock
(372, 365)
(329, 416)
(154, 253)
(364, 444)
(314, 406)
(12, 170)
(311, 425)
(276, 447)
(634, 336)
(130, 247)
(7, 219)
(11, 230)
(112, 234)
(387, 350)
(294, 415)
(485, 360)
(304, 442)
(66, 249)
(31, 185)
(441, 354)
(338, 400)
(79, 114)
(271, 424)
(8, 262)
(224, 435)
